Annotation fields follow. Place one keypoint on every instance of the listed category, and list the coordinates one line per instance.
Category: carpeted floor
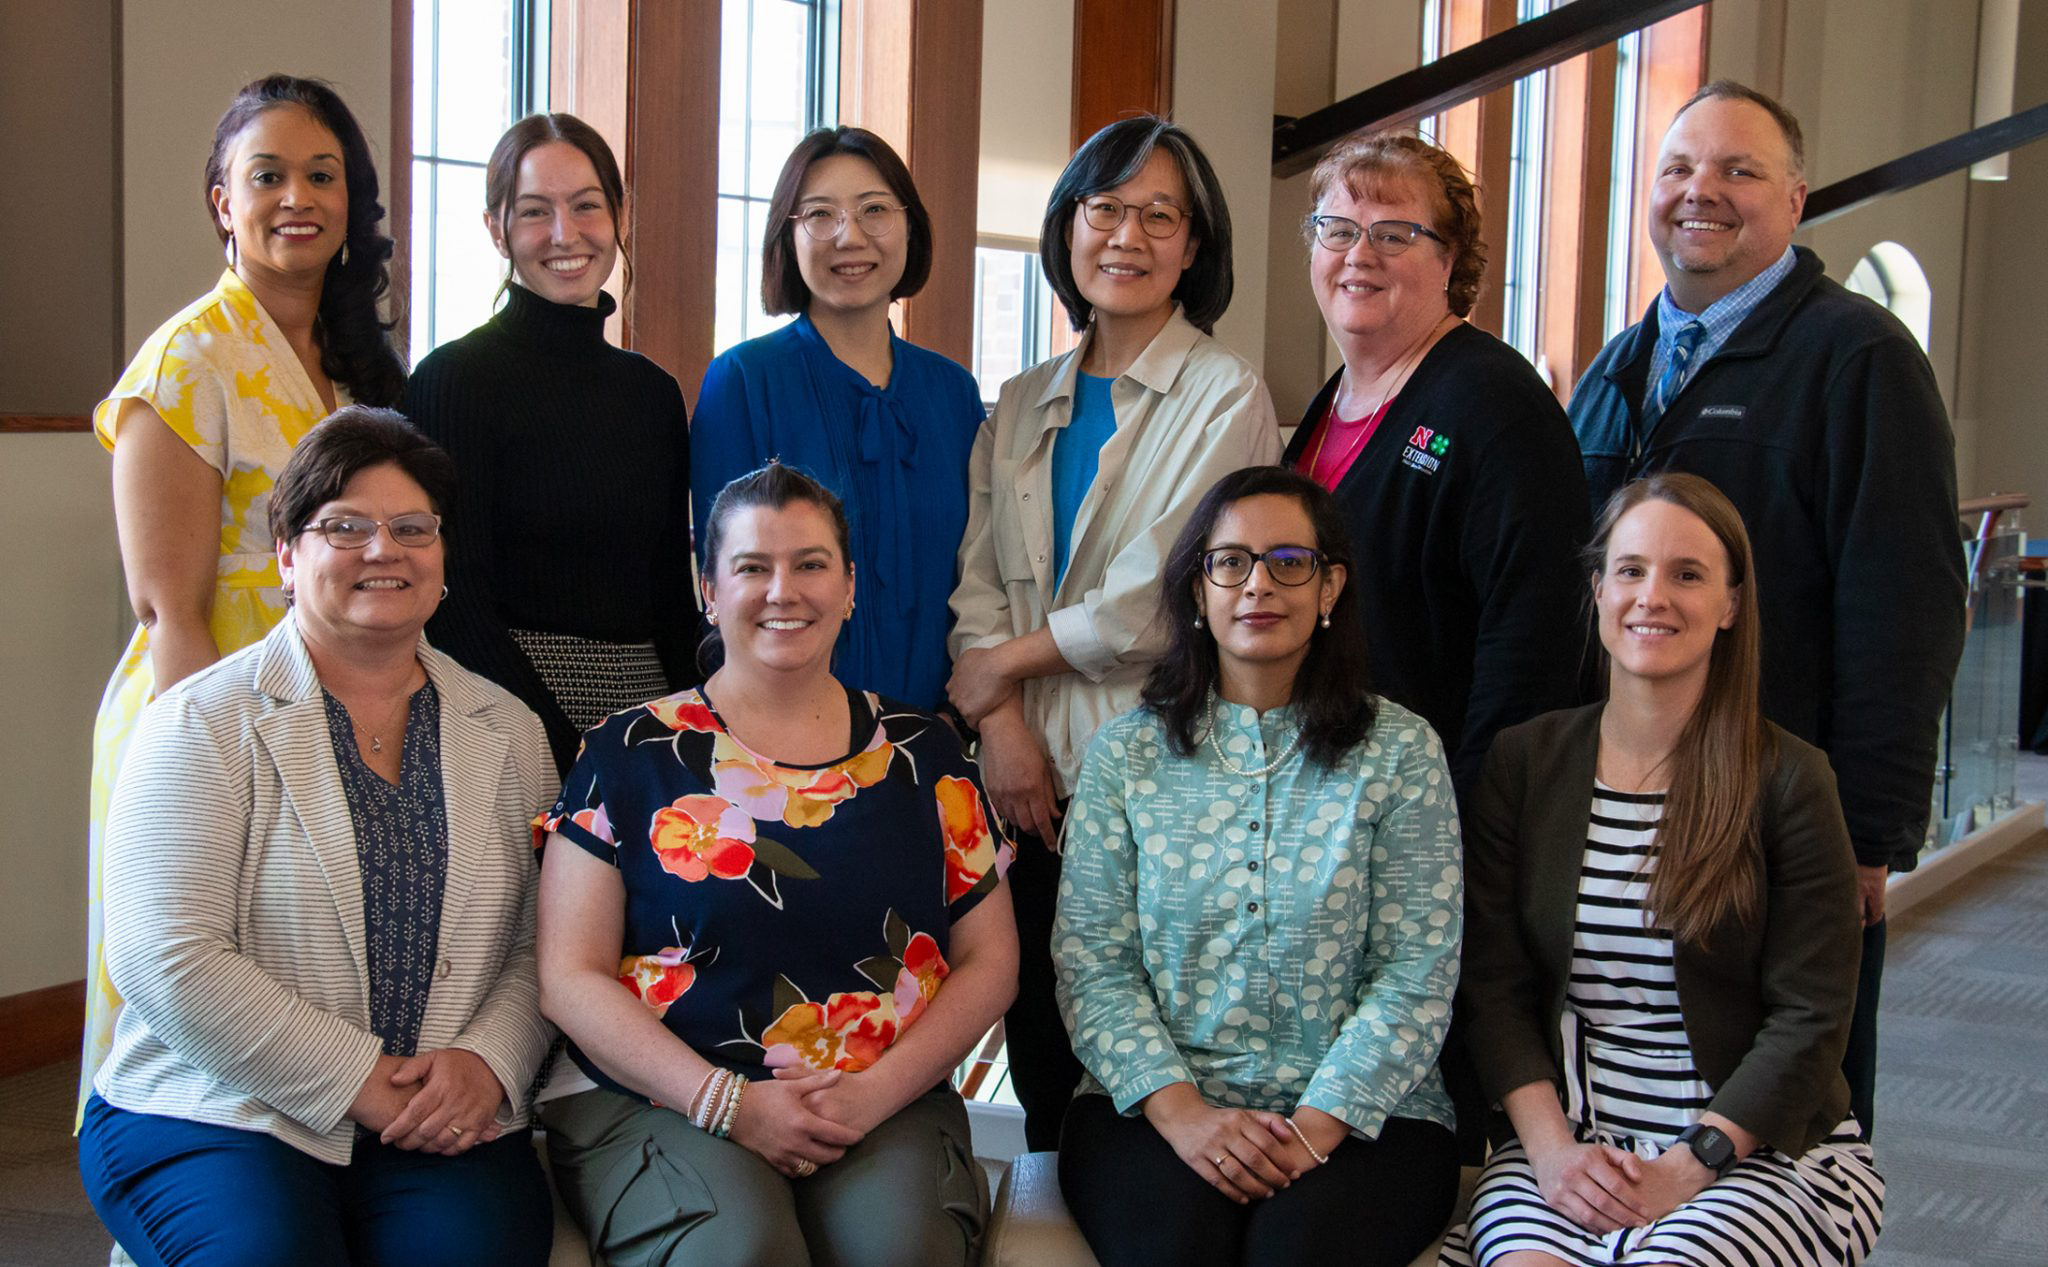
(1962, 1103)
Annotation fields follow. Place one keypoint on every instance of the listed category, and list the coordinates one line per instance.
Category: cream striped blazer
(234, 901)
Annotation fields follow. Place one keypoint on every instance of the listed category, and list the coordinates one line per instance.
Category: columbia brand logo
(1724, 411)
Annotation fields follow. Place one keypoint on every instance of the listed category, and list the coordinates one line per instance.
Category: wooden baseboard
(41, 1027)
(1944, 867)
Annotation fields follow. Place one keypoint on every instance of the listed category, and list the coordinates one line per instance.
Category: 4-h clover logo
(1430, 442)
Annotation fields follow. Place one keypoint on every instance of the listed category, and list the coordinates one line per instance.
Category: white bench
(1030, 1226)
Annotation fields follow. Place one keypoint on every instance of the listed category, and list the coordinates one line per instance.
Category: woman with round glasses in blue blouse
(1259, 920)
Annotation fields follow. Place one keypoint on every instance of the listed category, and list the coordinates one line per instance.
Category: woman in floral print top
(1259, 921)
(828, 922)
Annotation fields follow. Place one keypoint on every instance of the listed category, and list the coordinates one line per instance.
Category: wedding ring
(1218, 1162)
(456, 1130)
(804, 1166)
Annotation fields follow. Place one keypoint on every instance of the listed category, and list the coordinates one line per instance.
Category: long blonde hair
(1709, 849)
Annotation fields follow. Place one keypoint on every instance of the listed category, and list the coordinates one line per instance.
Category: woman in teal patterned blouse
(1259, 921)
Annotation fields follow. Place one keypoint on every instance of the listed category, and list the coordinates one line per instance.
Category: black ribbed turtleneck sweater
(572, 509)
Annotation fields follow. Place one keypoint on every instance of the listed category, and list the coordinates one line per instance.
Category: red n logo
(1421, 437)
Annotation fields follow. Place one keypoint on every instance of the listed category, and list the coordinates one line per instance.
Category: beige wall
(2004, 393)
(111, 108)
(58, 348)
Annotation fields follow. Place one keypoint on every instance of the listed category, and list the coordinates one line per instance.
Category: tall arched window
(1890, 275)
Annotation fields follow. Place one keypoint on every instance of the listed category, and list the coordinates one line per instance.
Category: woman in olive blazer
(1662, 941)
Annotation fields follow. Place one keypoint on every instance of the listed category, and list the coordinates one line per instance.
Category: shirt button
(1252, 867)
(1041, 558)
(1253, 907)
(443, 968)
(1027, 497)
(1254, 825)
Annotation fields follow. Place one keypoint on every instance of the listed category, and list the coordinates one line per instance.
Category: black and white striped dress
(1630, 1082)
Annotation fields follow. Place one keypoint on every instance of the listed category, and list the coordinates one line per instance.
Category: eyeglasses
(1230, 566)
(825, 222)
(1104, 213)
(352, 532)
(1387, 237)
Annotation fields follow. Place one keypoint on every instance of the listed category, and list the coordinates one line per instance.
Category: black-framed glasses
(1388, 237)
(418, 530)
(825, 221)
(1231, 566)
(1104, 213)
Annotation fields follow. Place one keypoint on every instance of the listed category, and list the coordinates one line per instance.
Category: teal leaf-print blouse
(1277, 940)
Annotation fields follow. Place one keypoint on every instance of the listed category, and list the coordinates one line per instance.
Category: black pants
(1859, 1059)
(1378, 1202)
(1043, 1071)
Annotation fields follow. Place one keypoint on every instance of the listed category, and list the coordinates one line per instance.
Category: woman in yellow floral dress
(769, 965)
(205, 416)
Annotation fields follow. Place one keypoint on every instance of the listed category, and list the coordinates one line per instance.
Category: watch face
(1714, 1149)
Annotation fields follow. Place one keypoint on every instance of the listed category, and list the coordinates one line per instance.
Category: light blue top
(1721, 319)
(1277, 940)
(896, 456)
(1076, 451)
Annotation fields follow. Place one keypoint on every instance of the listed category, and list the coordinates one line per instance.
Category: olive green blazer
(1766, 1005)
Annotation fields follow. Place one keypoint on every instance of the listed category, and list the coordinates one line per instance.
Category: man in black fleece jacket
(1816, 412)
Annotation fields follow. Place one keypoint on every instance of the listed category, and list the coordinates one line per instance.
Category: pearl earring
(1198, 620)
(1326, 620)
(711, 614)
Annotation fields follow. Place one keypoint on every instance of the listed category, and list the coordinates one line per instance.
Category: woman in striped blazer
(1661, 939)
(320, 914)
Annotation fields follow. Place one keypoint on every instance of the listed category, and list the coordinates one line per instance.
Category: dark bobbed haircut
(782, 283)
(1108, 159)
(773, 486)
(1333, 687)
(355, 345)
(501, 173)
(343, 445)
(1709, 850)
(1376, 165)
(1730, 90)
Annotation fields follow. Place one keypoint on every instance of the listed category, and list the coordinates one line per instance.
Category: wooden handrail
(30, 424)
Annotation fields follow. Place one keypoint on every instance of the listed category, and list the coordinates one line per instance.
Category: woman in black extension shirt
(569, 581)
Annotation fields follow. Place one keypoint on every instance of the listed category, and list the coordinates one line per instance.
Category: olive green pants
(651, 1190)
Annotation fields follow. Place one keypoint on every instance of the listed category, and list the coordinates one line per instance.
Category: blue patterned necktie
(1682, 349)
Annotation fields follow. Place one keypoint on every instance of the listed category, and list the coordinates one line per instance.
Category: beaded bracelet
(712, 1102)
(1320, 1159)
(696, 1101)
(732, 1109)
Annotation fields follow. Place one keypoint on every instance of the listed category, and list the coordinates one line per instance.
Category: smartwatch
(1711, 1145)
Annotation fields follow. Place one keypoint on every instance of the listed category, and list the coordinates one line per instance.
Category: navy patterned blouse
(402, 848)
(781, 915)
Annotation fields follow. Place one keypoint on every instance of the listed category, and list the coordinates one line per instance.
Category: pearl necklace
(1232, 766)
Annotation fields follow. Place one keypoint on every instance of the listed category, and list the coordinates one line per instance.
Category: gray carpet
(1962, 1115)
(1962, 1101)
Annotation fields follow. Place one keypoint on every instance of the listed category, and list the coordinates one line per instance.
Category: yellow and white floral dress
(222, 376)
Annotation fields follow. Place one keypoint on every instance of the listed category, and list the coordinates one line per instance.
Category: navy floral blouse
(781, 915)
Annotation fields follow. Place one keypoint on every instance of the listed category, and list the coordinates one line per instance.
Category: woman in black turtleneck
(569, 571)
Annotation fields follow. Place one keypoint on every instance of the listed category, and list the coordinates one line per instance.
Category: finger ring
(1218, 1162)
(804, 1166)
(455, 1129)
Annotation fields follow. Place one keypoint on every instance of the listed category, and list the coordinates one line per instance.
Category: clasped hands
(1245, 1154)
(443, 1102)
(805, 1115)
(1604, 1189)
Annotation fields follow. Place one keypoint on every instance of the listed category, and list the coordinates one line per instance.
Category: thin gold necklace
(1407, 367)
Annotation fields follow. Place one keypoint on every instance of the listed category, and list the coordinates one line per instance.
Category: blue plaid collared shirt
(1721, 318)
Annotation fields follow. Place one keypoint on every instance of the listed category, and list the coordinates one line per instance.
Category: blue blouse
(896, 455)
(1276, 940)
(402, 847)
(781, 915)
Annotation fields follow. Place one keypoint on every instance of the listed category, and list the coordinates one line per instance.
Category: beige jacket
(1188, 412)
(235, 903)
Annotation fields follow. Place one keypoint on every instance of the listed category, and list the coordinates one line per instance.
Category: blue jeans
(174, 1191)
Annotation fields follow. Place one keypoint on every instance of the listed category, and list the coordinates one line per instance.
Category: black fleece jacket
(572, 503)
(1467, 513)
(1820, 419)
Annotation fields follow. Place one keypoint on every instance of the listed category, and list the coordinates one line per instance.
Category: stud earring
(711, 614)
(849, 609)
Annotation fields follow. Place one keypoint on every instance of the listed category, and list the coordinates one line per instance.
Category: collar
(1729, 311)
(1242, 719)
(1757, 334)
(284, 671)
(1155, 369)
(550, 322)
(805, 332)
